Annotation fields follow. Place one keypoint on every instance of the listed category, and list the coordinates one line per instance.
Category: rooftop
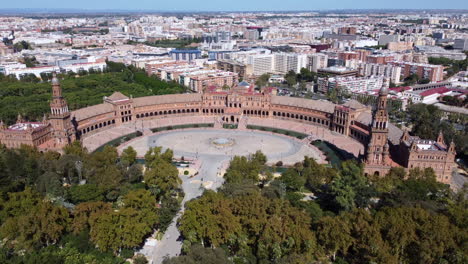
(439, 90)
(25, 126)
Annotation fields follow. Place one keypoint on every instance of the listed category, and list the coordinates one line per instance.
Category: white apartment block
(285, 62)
(351, 84)
(391, 72)
(76, 68)
(34, 70)
(6, 67)
(261, 64)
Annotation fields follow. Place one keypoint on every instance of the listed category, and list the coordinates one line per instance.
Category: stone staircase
(218, 124)
(242, 123)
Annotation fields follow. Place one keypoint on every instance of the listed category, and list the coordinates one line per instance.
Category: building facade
(383, 153)
(53, 133)
(385, 145)
(434, 73)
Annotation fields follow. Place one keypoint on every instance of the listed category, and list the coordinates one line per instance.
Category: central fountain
(222, 142)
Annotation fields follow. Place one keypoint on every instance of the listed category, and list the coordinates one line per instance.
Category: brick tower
(62, 128)
(378, 150)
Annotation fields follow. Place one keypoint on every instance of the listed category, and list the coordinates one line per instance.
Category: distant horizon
(118, 10)
(231, 6)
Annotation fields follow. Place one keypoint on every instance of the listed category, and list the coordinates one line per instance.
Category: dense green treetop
(81, 207)
(399, 218)
(31, 98)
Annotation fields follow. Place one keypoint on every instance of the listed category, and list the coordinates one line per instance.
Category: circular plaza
(223, 143)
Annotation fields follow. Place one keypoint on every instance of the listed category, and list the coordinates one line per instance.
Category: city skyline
(241, 5)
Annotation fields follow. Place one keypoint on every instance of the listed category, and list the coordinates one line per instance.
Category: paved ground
(211, 162)
(195, 143)
(458, 180)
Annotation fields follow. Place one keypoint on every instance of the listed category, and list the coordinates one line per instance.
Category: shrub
(126, 253)
(186, 172)
(279, 163)
(140, 259)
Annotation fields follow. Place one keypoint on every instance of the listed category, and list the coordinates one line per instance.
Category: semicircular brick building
(364, 132)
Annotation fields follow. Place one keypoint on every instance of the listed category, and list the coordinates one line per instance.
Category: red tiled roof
(439, 90)
(400, 89)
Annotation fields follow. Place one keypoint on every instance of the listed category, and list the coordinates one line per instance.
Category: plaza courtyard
(224, 144)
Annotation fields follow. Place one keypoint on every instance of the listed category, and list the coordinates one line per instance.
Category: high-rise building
(391, 72)
(317, 61)
(434, 73)
(261, 63)
(380, 58)
(347, 30)
(385, 39)
(351, 84)
(461, 44)
(243, 70)
(185, 55)
(285, 62)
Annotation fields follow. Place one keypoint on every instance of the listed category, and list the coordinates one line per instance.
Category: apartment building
(261, 63)
(391, 72)
(317, 61)
(242, 69)
(351, 84)
(285, 62)
(434, 73)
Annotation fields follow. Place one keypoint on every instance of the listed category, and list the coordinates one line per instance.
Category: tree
(291, 78)
(199, 254)
(22, 45)
(412, 79)
(140, 259)
(262, 80)
(128, 156)
(292, 180)
(50, 183)
(248, 224)
(306, 75)
(162, 177)
(393, 179)
(350, 188)
(85, 193)
(242, 168)
(103, 168)
(85, 214)
(153, 154)
(209, 220)
(18, 203)
(334, 235)
(76, 149)
(125, 228)
(134, 174)
(39, 227)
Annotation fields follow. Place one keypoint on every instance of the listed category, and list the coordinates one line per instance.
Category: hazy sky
(233, 5)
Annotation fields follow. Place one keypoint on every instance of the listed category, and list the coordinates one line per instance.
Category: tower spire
(56, 89)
